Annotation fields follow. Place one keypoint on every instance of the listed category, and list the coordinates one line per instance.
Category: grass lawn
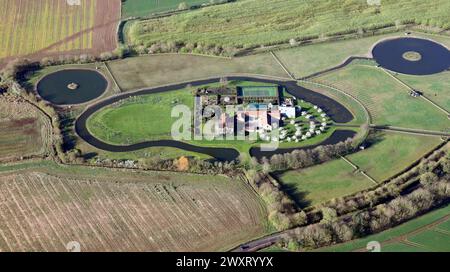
(149, 71)
(401, 247)
(139, 119)
(261, 22)
(135, 8)
(355, 108)
(387, 100)
(391, 153)
(435, 87)
(443, 39)
(432, 240)
(403, 229)
(306, 60)
(323, 182)
(444, 226)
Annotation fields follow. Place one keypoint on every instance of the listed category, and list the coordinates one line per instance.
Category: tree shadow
(67, 131)
(90, 155)
(299, 197)
(374, 138)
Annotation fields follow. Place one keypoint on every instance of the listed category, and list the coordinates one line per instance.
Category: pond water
(412, 56)
(72, 86)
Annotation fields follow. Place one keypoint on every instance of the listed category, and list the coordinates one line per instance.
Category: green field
(139, 119)
(149, 71)
(360, 116)
(387, 100)
(401, 247)
(306, 60)
(418, 231)
(275, 21)
(323, 182)
(444, 226)
(137, 8)
(309, 59)
(435, 87)
(432, 240)
(391, 153)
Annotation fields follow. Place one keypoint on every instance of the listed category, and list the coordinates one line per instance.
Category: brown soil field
(52, 28)
(163, 212)
(25, 131)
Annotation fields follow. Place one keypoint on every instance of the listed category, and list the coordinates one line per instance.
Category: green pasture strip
(155, 70)
(444, 226)
(278, 21)
(401, 247)
(354, 107)
(387, 100)
(391, 233)
(435, 87)
(320, 183)
(390, 153)
(432, 240)
(161, 152)
(135, 8)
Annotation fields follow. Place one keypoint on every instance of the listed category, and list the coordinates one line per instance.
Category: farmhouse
(289, 112)
(259, 120)
(261, 108)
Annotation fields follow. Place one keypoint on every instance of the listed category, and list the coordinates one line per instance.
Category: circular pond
(412, 56)
(74, 86)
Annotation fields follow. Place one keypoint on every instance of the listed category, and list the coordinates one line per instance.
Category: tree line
(337, 224)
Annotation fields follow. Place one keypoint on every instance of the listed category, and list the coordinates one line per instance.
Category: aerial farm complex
(262, 109)
(260, 126)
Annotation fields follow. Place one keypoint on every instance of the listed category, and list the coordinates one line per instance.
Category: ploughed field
(24, 130)
(48, 27)
(158, 212)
